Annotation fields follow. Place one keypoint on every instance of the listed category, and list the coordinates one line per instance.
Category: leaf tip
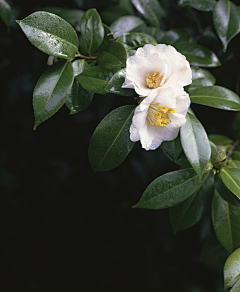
(18, 21)
(35, 127)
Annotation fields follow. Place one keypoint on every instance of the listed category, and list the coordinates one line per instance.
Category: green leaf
(236, 126)
(79, 98)
(214, 149)
(108, 37)
(201, 77)
(235, 155)
(182, 161)
(113, 56)
(79, 65)
(92, 30)
(220, 139)
(226, 222)
(198, 55)
(126, 24)
(172, 148)
(231, 270)
(213, 251)
(52, 90)
(236, 287)
(169, 189)
(50, 34)
(190, 211)
(104, 81)
(174, 36)
(110, 143)
(5, 12)
(134, 40)
(195, 144)
(226, 19)
(202, 5)
(231, 179)
(224, 191)
(150, 9)
(233, 163)
(215, 96)
(72, 16)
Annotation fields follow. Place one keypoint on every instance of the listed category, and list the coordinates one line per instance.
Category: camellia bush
(161, 72)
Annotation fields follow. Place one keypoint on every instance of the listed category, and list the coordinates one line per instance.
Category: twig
(230, 150)
(85, 57)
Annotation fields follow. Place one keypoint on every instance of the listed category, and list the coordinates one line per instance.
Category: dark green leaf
(198, 55)
(79, 65)
(226, 222)
(104, 81)
(113, 56)
(150, 9)
(52, 90)
(231, 179)
(231, 270)
(215, 96)
(5, 12)
(195, 144)
(226, 19)
(236, 126)
(125, 24)
(213, 251)
(73, 16)
(50, 34)
(234, 163)
(174, 36)
(169, 189)
(224, 192)
(235, 155)
(108, 37)
(79, 98)
(110, 143)
(220, 139)
(201, 77)
(214, 149)
(172, 148)
(92, 30)
(183, 161)
(203, 5)
(134, 40)
(190, 211)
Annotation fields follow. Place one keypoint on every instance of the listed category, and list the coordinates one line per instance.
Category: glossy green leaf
(104, 81)
(226, 222)
(234, 163)
(172, 148)
(201, 77)
(79, 98)
(220, 139)
(92, 30)
(198, 55)
(52, 90)
(113, 56)
(150, 9)
(235, 155)
(50, 34)
(224, 192)
(195, 143)
(213, 251)
(108, 37)
(236, 287)
(226, 19)
(5, 12)
(231, 270)
(125, 24)
(190, 211)
(134, 40)
(236, 126)
(73, 16)
(79, 65)
(215, 96)
(174, 36)
(214, 149)
(169, 189)
(182, 161)
(110, 143)
(202, 5)
(231, 179)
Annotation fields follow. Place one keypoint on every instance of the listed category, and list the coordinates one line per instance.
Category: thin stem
(85, 57)
(230, 150)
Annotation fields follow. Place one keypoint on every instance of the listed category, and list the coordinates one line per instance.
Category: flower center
(158, 115)
(154, 79)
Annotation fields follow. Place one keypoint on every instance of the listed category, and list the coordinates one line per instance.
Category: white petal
(182, 103)
(166, 97)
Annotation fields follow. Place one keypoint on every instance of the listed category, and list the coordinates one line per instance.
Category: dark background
(65, 228)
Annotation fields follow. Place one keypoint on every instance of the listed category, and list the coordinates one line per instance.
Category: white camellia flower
(159, 117)
(153, 68)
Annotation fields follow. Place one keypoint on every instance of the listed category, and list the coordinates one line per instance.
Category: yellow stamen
(154, 79)
(158, 115)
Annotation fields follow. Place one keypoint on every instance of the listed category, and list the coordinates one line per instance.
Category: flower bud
(219, 159)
